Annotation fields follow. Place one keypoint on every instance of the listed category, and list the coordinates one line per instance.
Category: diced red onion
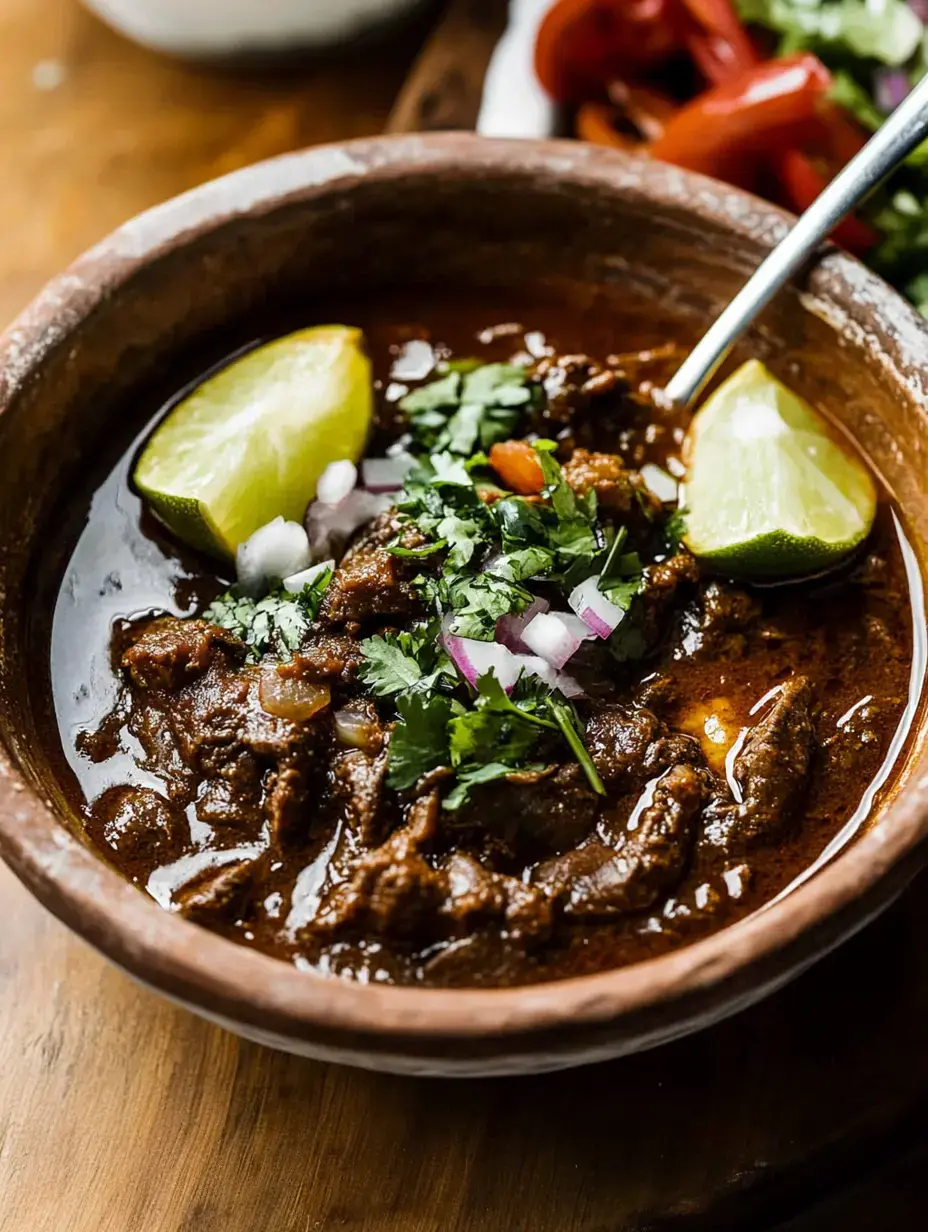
(594, 609)
(920, 9)
(276, 550)
(509, 628)
(534, 665)
(386, 474)
(658, 482)
(295, 583)
(474, 659)
(336, 481)
(890, 87)
(331, 526)
(555, 636)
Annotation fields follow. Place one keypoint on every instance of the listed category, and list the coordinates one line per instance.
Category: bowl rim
(207, 970)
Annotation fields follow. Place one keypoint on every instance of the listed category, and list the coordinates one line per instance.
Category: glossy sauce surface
(853, 634)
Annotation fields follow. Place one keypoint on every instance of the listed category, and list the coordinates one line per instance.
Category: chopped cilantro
(471, 406)
(399, 662)
(419, 743)
(674, 530)
(523, 563)
(478, 603)
(275, 624)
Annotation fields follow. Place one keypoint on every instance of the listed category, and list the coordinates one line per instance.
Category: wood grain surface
(121, 1113)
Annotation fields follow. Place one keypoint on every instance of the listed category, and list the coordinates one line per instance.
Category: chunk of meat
(534, 811)
(772, 770)
(170, 653)
(392, 890)
(215, 748)
(325, 657)
(396, 892)
(370, 582)
(139, 824)
(359, 779)
(859, 738)
(572, 382)
(598, 881)
(217, 893)
(661, 591)
(629, 744)
(618, 490)
(475, 895)
(717, 624)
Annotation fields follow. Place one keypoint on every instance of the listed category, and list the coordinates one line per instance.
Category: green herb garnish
(275, 624)
(470, 407)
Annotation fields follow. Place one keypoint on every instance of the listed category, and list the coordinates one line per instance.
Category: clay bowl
(556, 218)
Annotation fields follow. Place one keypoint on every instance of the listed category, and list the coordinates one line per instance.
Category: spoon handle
(902, 132)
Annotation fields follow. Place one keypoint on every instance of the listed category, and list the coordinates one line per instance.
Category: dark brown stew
(751, 739)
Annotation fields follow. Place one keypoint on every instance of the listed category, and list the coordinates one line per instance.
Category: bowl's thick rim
(204, 969)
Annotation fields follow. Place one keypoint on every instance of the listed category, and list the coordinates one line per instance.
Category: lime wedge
(771, 490)
(250, 443)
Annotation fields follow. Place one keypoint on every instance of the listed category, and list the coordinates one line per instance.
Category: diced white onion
(555, 636)
(296, 582)
(386, 474)
(509, 628)
(336, 481)
(657, 481)
(276, 550)
(594, 609)
(400, 445)
(331, 526)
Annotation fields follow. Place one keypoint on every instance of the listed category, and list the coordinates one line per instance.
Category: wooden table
(120, 1113)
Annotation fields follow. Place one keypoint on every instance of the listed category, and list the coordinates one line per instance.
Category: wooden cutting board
(121, 1113)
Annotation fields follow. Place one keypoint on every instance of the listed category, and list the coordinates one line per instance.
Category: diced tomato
(517, 465)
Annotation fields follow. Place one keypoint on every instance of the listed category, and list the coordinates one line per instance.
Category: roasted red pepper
(716, 40)
(732, 129)
(583, 45)
(799, 182)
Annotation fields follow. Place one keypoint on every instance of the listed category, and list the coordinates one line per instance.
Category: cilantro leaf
(419, 741)
(277, 623)
(469, 777)
(674, 530)
(471, 404)
(523, 563)
(436, 396)
(478, 603)
(398, 662)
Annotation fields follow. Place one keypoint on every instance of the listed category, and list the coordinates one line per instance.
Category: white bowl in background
(221, 27)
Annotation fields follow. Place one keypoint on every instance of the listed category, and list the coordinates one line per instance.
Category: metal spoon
(902, 132)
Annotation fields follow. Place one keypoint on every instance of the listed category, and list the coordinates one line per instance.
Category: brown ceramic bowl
(432, 211)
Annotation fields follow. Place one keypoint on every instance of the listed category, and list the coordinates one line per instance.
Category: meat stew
(738, 733)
